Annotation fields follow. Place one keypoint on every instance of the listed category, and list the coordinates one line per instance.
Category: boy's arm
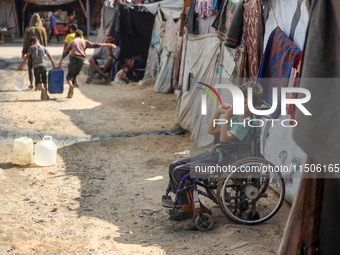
(51, 59)
(225, 135)
(24, 60)
(65, 45)
(220, 110)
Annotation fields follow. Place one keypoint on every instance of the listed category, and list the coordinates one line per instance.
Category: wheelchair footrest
(167, 202)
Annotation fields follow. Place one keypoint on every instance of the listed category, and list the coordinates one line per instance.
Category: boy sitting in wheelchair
(226, 134)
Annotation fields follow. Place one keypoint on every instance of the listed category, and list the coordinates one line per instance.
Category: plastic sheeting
(168, 6)
(205, 60)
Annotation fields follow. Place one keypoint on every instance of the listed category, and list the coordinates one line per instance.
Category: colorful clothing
(229, 23)
(276, 63)
(204, 8)
(253, 35)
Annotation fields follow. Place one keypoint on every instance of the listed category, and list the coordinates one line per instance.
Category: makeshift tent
(8, 17)
(132, 30)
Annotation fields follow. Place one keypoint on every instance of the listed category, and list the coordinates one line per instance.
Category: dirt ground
(103, 195)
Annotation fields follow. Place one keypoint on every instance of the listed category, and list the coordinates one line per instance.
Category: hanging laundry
(204, 8)
(228, 22)
(192, 22)
(217, 5)
(253, 35)
(276, 64)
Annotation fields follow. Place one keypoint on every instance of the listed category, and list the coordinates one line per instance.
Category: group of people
(34, 50)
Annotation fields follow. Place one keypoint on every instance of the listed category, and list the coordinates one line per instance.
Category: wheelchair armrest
(231, 145)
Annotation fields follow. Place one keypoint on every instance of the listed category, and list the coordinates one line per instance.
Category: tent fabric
(158, 30)
(49, 2)
(107, 15)
(135, 30)
(163, 81)
(276, 64)
(152, 64)
(282, 13)
(7, 15)
(199, 57)
(204, 25)
(204, 59)
(172, 42)
(168, 6)
(105, 27)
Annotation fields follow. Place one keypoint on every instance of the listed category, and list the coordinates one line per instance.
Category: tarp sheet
(168, 6)
(207, 60)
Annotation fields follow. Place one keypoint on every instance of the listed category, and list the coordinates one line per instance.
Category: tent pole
(83, 8)
(88, 17)
(25, 7)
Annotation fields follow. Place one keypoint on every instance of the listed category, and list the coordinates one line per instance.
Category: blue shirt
(53, 21)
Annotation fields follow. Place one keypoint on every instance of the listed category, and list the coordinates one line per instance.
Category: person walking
(35, 29)
(53, 25)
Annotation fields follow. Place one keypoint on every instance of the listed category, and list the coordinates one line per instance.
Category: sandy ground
(103, 195)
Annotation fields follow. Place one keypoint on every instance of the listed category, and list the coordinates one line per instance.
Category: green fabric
(240, 131)
(228, 22)
(35, 29)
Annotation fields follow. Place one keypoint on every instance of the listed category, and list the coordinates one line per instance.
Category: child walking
(37, 52)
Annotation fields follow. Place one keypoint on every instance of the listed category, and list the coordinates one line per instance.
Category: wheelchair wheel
(251, 197)
(205, 225)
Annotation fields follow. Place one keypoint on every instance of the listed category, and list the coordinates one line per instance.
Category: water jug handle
(47, 138)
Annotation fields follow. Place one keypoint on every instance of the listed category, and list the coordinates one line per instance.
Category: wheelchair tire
(251, 197)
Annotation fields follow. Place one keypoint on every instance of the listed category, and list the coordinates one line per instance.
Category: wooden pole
(88, 17)
(25, 7)
(83, 8)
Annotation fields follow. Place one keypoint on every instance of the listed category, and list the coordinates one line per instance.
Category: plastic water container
(22, 151)
(19, 85)
(45, 152)
(56, 81)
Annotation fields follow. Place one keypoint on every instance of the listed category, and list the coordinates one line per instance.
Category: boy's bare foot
(30, 86)
(70, 92)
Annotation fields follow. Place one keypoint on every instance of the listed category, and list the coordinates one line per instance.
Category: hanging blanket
(276, 66)
(228, 22)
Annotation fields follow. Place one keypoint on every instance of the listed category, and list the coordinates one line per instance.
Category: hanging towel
(228, 22)
(276, 66)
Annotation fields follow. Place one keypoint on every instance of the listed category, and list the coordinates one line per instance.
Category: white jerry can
(45, 152)
(20, 81)
(22, 153)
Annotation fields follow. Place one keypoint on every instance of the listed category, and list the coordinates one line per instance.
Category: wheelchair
(250, 191)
